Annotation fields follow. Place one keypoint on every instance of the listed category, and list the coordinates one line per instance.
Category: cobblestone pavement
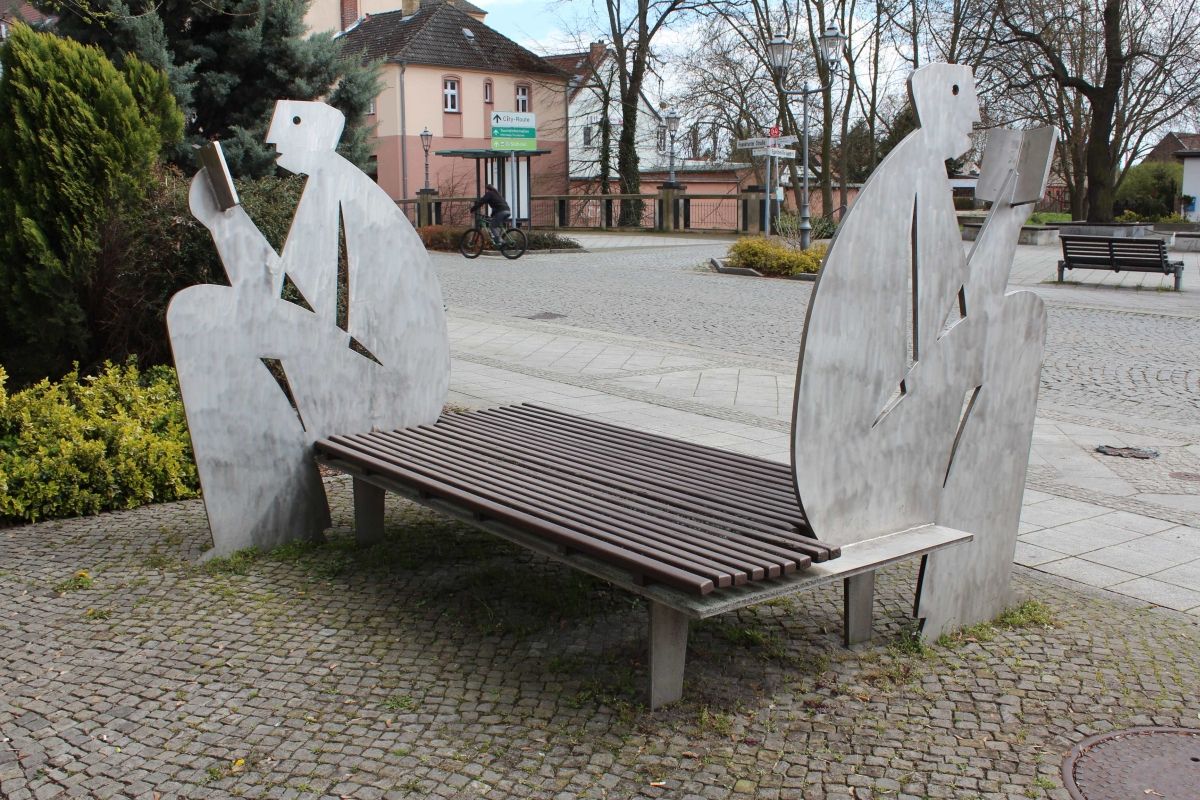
(1110, 350)
(442, 663)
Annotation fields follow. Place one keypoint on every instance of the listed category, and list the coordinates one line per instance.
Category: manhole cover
(546, 315)
(1186, 476)
(1135, 763)
(1126, 452)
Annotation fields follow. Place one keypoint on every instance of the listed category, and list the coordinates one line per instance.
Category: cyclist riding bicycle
(499, 210)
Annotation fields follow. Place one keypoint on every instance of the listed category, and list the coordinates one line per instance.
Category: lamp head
(779, 54)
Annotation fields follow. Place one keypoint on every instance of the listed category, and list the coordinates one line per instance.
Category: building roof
(581, 66)
(441, 34)
(1188, 141)
(469, 8)
(14, 11)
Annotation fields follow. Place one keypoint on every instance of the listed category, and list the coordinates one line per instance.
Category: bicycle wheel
(471, 243)
(513, 243)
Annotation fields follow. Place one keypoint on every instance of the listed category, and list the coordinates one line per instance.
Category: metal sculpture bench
(696, 530)
(1137, 254)
(911, 426)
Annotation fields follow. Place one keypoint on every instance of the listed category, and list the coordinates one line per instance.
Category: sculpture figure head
(943, 97)
(299, 130)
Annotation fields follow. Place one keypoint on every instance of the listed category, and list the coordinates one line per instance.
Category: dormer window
(522, 98)
(450, 95)
(469, 34)
(487, 91)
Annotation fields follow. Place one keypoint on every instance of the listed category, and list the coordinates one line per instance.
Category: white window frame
(522, 98)
(487, 92)
(450, 98)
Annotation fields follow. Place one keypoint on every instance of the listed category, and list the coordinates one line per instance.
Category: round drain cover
(1139, 762)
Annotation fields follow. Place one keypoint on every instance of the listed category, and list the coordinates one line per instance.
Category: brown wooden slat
(778, 530)
(686, 468)
(689, 516)
(782, 527)
(647, 545)
(519, 434)
(707, 452)
(598, 509)
(734, 540)
(619, 556)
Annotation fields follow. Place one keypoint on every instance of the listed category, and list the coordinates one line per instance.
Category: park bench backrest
(1148, 253)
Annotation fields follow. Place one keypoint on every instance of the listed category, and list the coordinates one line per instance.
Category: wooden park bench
(695, 530)
(1131, 254)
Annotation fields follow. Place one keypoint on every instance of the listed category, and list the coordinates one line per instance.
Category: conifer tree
(77, 144)
(229, 61)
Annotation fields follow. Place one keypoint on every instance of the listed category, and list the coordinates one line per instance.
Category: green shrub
(1045, 217)
(441, 237)
(771, 257)
(788, 226)
(1149, 189)
(76, 146)
(86, 445)
(550, 240)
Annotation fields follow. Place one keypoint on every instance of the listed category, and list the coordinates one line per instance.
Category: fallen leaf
(658, 783)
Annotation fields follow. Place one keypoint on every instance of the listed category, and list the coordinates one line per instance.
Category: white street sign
(760, 142)
(782, 140)
(778, 152)
(514, 119)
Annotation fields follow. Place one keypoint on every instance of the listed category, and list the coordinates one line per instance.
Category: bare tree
(1121, 68)
(633, 25)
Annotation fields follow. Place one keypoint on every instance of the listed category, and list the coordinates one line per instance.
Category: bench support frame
(671, 609)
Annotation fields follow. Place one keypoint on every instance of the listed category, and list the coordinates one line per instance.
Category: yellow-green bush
(771, 257)
(85, 445)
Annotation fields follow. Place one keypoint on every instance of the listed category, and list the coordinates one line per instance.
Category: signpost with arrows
(770, 147)
(514, 130)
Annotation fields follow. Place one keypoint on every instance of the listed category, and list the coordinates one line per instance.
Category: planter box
(1030, 234)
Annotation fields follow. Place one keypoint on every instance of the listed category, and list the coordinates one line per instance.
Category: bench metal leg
(1061, 270)
(368, 512)
(668, 652)
(1178, 278)
(858, 601)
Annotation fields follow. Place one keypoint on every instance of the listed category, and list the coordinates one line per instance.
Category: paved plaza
(445, 663)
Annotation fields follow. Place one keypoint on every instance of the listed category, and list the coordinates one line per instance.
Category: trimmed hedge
(92, 444)
(770, 257)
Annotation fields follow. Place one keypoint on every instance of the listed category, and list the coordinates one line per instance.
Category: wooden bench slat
(663, 491)
(495, 508)
(727, 534)
(604, 485)
(644, 542)
(684, 468)
(725, 555)
(710, 454)
(648, 472)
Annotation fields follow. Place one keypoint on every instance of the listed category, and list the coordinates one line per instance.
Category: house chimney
(349, 13)
(596, 52)
(410, 7)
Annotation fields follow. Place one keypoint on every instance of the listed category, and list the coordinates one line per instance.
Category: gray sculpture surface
(918, 375)
(267, 366)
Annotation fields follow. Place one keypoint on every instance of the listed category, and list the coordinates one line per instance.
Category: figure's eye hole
(955, 90)
(296, 120)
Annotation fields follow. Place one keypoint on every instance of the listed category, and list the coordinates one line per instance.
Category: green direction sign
(514, 130)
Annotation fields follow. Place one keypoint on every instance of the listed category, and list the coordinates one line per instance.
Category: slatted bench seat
(1148, 254)
(697, 530)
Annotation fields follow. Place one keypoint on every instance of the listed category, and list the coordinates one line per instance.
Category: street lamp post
(426, 141)
(780, 50)
(672, 126)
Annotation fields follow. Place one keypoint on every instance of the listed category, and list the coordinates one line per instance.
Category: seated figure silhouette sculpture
(297, 348)
(918, 376)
